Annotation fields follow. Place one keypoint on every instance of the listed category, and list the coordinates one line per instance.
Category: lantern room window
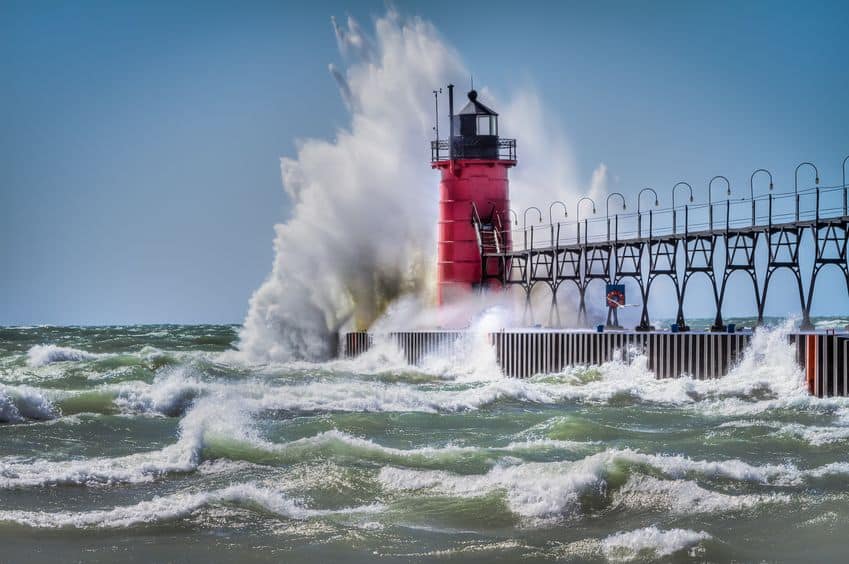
(487, 125)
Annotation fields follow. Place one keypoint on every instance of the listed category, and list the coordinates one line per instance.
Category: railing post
(608, 228)
(727, 213)
(797, 207)
(770, 212)
(686, 220)
(818, 206)
(651, 223)
(616, 227)
(674, 222)
(578, 226)
(640, 225)
(753, 212)
(586, 232)
(710, 216)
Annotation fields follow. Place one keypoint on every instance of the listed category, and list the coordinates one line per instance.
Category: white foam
(134, 468)
(766, 379)
(534, 490)
(365, 448)
(19, 403)
(175, 506)
(815, 435)
(686, 497)
(547, 490)
(171, 392)
(41, 355)
(201, 423)
(228, 420)
(630, 545)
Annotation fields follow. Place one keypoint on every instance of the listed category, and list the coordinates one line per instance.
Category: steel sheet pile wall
(523, 354)
(417, 345)
(824, 357)
(669, 355)
(356, 344)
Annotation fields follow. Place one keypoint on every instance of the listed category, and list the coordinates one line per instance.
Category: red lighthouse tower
(474, 196)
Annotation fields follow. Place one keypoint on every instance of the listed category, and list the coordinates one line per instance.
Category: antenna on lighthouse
(436, 94)
(451, 122)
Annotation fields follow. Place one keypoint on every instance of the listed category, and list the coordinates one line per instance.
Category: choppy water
(154, 443)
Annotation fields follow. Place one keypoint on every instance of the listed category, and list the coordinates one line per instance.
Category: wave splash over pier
(138, 431)
(364, 205)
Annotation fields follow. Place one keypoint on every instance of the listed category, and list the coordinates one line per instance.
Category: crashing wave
(554, 490)
(41, 355)
(22, 403)
(176, 506)
(650, 542)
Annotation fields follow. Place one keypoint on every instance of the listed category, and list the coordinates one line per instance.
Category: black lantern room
(477, 126)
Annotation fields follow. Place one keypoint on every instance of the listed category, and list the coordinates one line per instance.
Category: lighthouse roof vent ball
(475, 107)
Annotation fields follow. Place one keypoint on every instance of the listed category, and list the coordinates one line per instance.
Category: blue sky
(140, 143)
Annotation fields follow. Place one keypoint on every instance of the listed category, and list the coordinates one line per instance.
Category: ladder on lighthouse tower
(489, 232)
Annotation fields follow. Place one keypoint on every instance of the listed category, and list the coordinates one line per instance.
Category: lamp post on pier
(515, 218)
(796, 182)
(752, 190)
(578, 215)
(674, 220)
(607, 211)
(556, 242)
(525, 225)
(639, 216)
(710, 198)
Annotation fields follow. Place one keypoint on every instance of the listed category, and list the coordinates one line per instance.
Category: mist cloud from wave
(364, 205)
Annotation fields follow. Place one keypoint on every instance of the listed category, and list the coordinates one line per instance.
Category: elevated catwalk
(701, 355)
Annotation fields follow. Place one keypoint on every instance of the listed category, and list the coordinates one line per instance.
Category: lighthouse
(474, 197)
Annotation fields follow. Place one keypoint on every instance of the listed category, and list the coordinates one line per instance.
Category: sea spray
(364, 211)
(364, 205)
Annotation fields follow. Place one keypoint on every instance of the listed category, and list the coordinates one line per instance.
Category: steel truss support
(740, 251)
(629, 262)
(783, 243)
(830, 241)
(663, 261)
(644, 260)
(699, 253)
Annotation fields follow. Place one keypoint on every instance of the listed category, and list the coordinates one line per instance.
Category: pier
(755, 235)
(701, 355)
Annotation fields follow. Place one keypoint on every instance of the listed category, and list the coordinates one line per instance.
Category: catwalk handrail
(771, 211)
